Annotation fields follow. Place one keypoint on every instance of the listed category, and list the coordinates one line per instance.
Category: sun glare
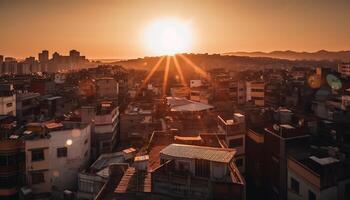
(168, 37)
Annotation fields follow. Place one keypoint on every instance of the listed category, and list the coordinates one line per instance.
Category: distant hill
(207, 62)
(293, 55)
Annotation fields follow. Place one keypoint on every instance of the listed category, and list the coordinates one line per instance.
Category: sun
(168, 37)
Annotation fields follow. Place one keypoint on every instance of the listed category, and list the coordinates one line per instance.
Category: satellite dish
(334, 82)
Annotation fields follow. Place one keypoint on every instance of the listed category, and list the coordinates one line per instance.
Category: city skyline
(115, 30)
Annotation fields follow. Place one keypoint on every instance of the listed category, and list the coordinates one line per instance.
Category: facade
(135, 121)
(55, 153)
(105, 129)
(27, 105)
(197, 172)
(344, 69)
(7, 100)
(234, 131)
(274, 94)
(256, 93)
(12, 160)
(91, 180)
(200, 94)
(267, 157)
(42, 86)
(43, 57)
(316, 178)
(107, 88)
(181, 92)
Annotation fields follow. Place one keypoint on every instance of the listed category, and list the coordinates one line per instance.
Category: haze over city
(174, 100)
(116, 29)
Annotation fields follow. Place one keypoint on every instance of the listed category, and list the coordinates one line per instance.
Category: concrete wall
(64, 170)
(8, 105)
(43, 165)
(107, 88)
(217, 170)
(306, 185)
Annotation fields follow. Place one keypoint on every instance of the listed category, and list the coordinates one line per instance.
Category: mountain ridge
(343, 55)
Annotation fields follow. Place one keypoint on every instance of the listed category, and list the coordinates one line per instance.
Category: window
(236, 142)
(295, 185)
(86, 141)
(9, 105)
(62, 152)
(38, 177)
(312, 196)
(38, 154)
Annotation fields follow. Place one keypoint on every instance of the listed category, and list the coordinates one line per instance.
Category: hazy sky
(114, 29)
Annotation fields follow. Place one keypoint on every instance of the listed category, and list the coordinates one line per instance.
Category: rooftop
(106, 159)
(134, 181)
(199, 152)
(183, 105)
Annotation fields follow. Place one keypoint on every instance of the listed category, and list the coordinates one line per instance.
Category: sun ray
(151, 72)
(166, 75)
(197, 69)
(179, 70)
(149, 75)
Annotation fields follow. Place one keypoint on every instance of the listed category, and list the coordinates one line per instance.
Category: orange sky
(113, 29)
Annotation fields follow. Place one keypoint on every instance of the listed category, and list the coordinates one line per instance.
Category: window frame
(62, 152)
(37, 152)
(295, 185)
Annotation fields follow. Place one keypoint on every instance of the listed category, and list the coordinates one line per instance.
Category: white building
(55, 153)
(105, 130)
(198, 172)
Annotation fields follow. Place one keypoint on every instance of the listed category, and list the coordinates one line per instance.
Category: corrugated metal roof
(193, 107)
(106, 159)
(134, 181)
(182, 104)
(199, 152)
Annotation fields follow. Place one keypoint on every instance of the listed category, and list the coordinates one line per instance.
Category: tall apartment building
(266, 154)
